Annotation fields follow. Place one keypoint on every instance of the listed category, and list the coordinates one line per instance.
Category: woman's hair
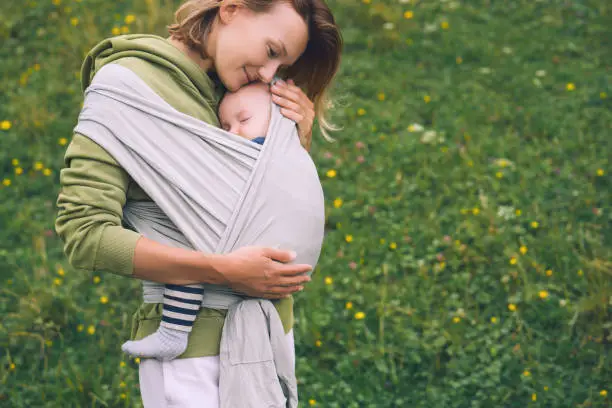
(315, 68)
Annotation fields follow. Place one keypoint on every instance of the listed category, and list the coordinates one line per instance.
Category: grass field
(469, 248)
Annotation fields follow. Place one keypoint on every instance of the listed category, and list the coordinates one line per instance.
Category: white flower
(430, 28)
(485, 70)
(537, 82)
(506, 212)
(389, 26)
(540, 73)
(505, 279)
(428, 137)
(507, 50)
(562, 302)
(415, 127)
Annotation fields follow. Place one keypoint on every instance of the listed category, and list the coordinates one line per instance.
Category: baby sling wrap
(215, 192)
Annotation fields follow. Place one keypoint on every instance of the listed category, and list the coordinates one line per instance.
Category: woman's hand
(296, 106)
(262, 272)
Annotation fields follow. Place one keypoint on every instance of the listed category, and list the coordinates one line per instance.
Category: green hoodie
(94, 188)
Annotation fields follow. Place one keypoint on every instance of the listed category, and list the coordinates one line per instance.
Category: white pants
(184, 383)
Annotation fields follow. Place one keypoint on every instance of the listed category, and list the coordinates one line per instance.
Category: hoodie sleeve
(93, 190)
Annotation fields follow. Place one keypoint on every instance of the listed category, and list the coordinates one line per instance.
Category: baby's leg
(181, 305)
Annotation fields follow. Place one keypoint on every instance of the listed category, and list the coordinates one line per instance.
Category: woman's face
(247, 47)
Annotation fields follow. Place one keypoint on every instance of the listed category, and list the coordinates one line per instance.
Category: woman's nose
(267, 72)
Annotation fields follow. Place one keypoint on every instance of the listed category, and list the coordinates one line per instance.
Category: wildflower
(18, 171)
(137, 360)
(38, 166)
(57, 281)
(427, 98)
(562, 302)
(116, 31)
(15, 162)
(48, 343)
(312, 401)
(318, 343)
(348, 305)
(103, 300)
(545, 388)
(129, 19)
(603, 393)
(511, 307)
(458, 60)
(570, 86)
(540, 73)
(603, 95)
(122, 364)
(366, 1)
(353, 265)
(80, 328)
(444, 25)
(415, 127)
(123, 395)
(523, 249)
(388, 26)
(476, 211)
(518, 213)
(361, 111)
(456, 319)
(359, 315)
(5, 125)
(91, 330)
(534, 397)
(338, 202)
(331, 173)
(74, 21)
(580, 273)
(382, 241)
(381, 96)
(125, 30)
(494, 320)
(470, 163)
(549, 272)
(543, 294)
(328, 280)
(96, 279)
(62, 141)
(60, 271)
(428, 137)
(499, 174)
(534, 224)
(122, 384)
(47, 172)
(348, 238)
(408, 14)
(526, 373)
(56, 2)
(600, 172)
(393, 245)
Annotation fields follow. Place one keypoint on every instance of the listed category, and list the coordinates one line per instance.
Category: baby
(245, 113)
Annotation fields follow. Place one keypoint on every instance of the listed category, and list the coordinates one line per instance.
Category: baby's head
(246, 112)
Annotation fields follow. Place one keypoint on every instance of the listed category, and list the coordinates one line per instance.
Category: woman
(236, 43)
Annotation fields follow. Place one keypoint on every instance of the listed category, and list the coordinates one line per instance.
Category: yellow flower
(57, 281)
(348, 238)
(125, 30)
(444, 25)
(74, 21)
(382, 241)
(543, 294)
(331, 173)
(123, 395)
(96, 279)
(18, 171)
(361, 111)
(476, 211)
(580, 273)
(122, 364)
(534, 224)
(47, 172)
(312, 401)
(523, 249)
(103, 300)
(36, 67)
(603, 95)
(349, 305)
(600, 172)
(38, 166)
(381, 96)
(5, 125)
(603, 393)
(129, 19)
(339, 225)
(338, 202)
(549, 272)
(427, 98)
(458, 60)
(116, 31)
(359, 315)
(122, 384)
(12, 366)
(62, 141)
(80, 327)
(137, 360)
(61, 271)
(546, 388)
(328, 280)
(393, 245)
(456, 319)
(15, 162)
(511, 307)
(526, 373)
(499, 174)
(518, 213)
(470, 163)
(494, 320)
(318, 343)
(534, 397)
(49, 343)
(57, 2)
(570, 86)
(408, 14)
(91, 330)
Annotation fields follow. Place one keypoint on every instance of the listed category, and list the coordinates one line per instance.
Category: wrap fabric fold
(215, 192)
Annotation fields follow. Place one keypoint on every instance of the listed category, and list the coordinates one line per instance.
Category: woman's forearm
(164, 264)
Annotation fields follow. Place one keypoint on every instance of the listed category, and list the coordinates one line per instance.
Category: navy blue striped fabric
(176, 309)
(187, 323)
(186, 289)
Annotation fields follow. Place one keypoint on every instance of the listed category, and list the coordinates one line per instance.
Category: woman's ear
(227, 12)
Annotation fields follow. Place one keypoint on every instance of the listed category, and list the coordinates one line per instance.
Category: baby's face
(246, 112)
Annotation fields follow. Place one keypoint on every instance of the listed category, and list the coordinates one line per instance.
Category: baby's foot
(164, 344)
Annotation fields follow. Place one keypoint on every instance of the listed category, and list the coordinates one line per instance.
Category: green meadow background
(468, 258)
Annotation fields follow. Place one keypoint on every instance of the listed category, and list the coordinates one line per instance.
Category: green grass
(514, 99)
